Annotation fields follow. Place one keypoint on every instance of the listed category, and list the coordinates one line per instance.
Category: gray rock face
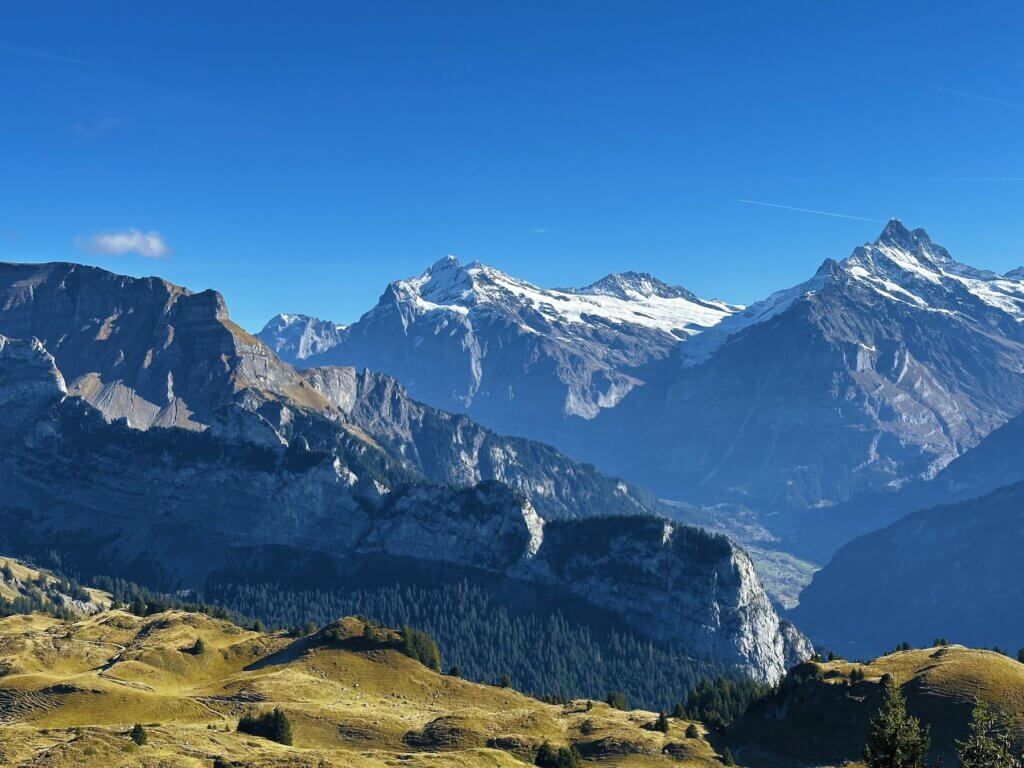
(143, 349)
(668, 564)
(269, 459)
(453, 449)
(513, 356)
(881, 369)
(29, 379)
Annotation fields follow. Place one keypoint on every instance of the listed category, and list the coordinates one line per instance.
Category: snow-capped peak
(632, 298)
(904, 265)
(901, 265)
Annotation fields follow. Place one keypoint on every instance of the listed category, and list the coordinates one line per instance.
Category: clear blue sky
(298, 156)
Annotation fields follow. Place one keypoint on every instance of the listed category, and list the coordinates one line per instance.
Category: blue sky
(299, 156)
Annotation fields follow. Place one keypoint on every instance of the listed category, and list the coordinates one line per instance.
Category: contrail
(810, 210)
(35, 53)
(982, 97)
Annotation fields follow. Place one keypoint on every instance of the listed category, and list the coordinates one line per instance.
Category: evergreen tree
(506, 681)
(679, 712)
(617, 700)
(692, 732)
(273, 725)
(199, 648)
(421, 646)
(661, 724)
(455, 671)
(990, 743)
(727, 758)
(896, 739)
(546, 755)
(138, 734)
(281, 728)
(562, 757)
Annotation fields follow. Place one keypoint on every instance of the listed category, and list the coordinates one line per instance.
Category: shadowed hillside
(820, 714)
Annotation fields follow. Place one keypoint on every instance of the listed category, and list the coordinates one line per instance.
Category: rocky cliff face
(453, 449)
(516, 357)
(256, 468)
(617, 560)
(144, 350)
(29, 379)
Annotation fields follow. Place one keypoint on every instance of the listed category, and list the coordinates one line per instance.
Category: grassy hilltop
(70, 691)
(821, 712)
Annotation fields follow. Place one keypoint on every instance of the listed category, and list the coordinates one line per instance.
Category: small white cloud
(150, 245)
(539, 230)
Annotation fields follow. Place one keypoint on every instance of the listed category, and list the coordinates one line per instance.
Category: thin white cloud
(810, 210)
(150, 245)
(35, 53)
(539, 231)
(982, 97)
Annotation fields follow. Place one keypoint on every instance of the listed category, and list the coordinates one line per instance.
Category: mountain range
(466, 426)
(872, 375)
(515, 357)
(146, 433)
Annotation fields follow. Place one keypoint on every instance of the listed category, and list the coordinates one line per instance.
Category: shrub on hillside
(549, 756)
(139, 735)
(421, 646)
(617, 700)
(273, 725)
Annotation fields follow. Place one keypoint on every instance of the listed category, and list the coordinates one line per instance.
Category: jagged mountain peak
(635, 285)
(907, 266)
(896, 234)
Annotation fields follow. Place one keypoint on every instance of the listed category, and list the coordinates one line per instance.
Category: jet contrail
(810, 210)
(982, 97)
(36, 53)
